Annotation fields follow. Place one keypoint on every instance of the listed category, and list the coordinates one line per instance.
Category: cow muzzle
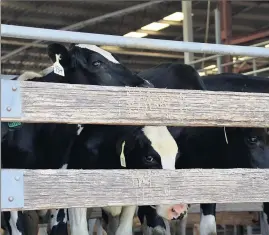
(172, 212)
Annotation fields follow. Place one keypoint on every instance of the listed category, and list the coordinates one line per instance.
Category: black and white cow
(29, 146)
(46, 146)
(203, 147)
(131, 147)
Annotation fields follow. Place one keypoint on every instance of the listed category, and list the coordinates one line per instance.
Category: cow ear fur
(59, 49)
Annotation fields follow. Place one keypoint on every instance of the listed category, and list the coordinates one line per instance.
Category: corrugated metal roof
(248, 17)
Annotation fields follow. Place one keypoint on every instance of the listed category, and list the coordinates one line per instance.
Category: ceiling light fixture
(177, 16)
(135, 35)
(213, 66)
(155, 26)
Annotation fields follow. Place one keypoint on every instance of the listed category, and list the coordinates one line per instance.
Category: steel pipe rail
(257, 71)
(216, 56)
(13, 31)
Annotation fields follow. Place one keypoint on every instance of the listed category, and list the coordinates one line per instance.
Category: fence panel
(95, 188)
(66, 103)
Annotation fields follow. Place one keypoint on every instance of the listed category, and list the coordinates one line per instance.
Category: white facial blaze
(163, 143)
(100, 51)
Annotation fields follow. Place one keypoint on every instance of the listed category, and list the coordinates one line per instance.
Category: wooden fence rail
(66, 103)
(95, 188)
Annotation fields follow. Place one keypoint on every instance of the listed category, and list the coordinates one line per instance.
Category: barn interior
(241, 23)
(225, 22)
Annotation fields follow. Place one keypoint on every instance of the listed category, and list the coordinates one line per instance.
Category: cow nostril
(173, 210)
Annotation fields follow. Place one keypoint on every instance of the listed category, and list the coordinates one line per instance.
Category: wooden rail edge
(96, 188)
(66, 103)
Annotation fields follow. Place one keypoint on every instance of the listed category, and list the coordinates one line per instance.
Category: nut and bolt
(10, 198)
(17, 178)
(14, 88)
(8, 109)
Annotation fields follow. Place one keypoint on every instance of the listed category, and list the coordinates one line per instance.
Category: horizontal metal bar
(45, 189)
(257, 71)
(139, 43)
(216, 56)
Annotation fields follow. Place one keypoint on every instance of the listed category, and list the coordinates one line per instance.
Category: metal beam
(95, 20)
(251, 37)
(218, 36)
(115, 50)
(187, 28)
(140, 43)
(226, 25)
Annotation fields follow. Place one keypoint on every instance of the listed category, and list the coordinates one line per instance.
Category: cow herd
(69, 146)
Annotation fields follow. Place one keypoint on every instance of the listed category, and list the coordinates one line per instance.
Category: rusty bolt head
(10, 198)
(8, 109)
(14, 88)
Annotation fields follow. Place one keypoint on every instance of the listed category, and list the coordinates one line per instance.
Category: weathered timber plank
(94, 188)
(51, 102)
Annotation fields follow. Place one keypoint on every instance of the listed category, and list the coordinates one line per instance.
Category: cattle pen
(238, 192)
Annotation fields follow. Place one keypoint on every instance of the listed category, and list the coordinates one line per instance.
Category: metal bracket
(10, 99)
(12, 189)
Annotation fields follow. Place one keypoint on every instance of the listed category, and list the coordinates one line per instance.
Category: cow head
(257, 142)
(89, 64)
(152, 147)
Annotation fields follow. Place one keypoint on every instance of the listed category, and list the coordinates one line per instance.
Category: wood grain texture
(96, 188)
(51, 102)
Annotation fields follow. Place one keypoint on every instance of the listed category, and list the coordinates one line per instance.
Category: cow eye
(96, 63)
(253, 139)
(149, 158)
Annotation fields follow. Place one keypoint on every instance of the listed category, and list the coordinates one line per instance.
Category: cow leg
(152, 223)
(179, 226)
(14, 221)
(113, 218)
(126, 221)
(58, 222)
(208, 219)
(31, 222)
(266, 217)
(99, 227)
(91, 223)
(78, 221)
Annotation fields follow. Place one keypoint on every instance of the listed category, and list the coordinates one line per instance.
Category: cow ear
(59, 49)
(192, 79)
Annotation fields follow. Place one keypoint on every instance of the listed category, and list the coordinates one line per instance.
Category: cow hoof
(158, 231)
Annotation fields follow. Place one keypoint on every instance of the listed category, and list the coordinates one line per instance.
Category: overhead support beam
(218, 36)
(127, 42)
(187, 28)
(251, 37)
(88, 22)
(225, 7)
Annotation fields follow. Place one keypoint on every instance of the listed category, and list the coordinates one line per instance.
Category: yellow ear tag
(57, 67)
(122, 157)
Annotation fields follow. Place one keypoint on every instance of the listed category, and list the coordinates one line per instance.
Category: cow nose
(177, 211)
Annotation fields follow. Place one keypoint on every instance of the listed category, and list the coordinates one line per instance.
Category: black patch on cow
(60, 215)
(61, 227)
(20, 224)
(153, 219)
